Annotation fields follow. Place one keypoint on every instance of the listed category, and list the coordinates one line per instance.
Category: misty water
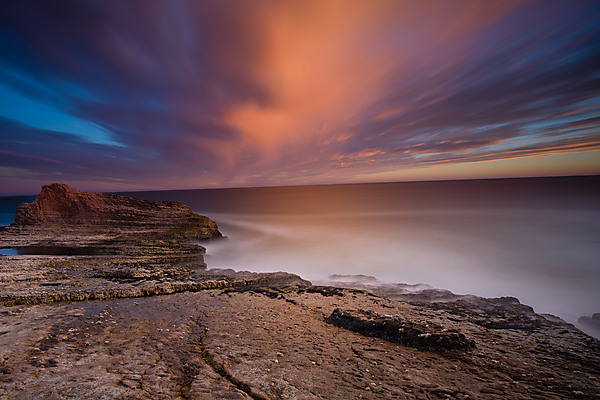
(534, 239)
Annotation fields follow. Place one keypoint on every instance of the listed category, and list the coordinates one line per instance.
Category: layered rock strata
(61, 216)
(77, 246)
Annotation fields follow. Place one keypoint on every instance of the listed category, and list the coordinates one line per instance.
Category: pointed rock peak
(58, 188)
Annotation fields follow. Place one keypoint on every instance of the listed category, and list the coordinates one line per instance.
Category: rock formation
(59, 205)
(79, 246)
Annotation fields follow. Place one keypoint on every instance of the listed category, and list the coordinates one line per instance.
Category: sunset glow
(113, 95)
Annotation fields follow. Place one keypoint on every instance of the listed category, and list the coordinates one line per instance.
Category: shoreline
(135, 312)
(117, 283)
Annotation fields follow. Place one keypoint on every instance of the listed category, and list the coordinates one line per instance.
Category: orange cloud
(324, 62)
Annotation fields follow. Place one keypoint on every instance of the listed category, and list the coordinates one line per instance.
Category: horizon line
(331, 184)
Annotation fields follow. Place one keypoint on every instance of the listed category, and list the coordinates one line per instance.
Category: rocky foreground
(100, 308)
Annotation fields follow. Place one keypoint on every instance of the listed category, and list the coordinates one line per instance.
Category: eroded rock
(394, 329)
(61, 205)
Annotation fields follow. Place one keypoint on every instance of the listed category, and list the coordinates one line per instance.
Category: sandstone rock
(224, 344)
(493, 313)
(60, 205)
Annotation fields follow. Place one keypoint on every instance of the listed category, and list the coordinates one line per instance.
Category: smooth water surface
(535, 239)
(8, 252)
(8, 205)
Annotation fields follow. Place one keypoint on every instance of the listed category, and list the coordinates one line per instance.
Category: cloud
(220, 93)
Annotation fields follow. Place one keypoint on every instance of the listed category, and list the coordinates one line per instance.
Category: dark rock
(61, 250)
(591, 322)
(359, 278)
(395, 330)
(492, 313)
(326, 291)
(553, 318)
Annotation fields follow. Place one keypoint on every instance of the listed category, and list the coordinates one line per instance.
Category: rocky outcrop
(77, 246)
(492, 313)
(592, 322)
(394, 329)
(119, 284)
(59, 205)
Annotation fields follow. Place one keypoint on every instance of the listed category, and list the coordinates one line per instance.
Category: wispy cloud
(218, 93)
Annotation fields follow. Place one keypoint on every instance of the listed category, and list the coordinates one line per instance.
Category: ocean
(537, 239)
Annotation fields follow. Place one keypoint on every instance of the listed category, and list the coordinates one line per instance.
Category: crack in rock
(220, 369)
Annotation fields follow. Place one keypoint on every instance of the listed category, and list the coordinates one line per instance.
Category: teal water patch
(53, 251)
(8, 206)
(9, 252)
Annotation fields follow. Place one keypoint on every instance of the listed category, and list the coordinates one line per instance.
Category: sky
(113, 95)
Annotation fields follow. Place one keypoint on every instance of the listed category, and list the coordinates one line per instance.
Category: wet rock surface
(492, 313)
(141, 317)
(397, 330)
